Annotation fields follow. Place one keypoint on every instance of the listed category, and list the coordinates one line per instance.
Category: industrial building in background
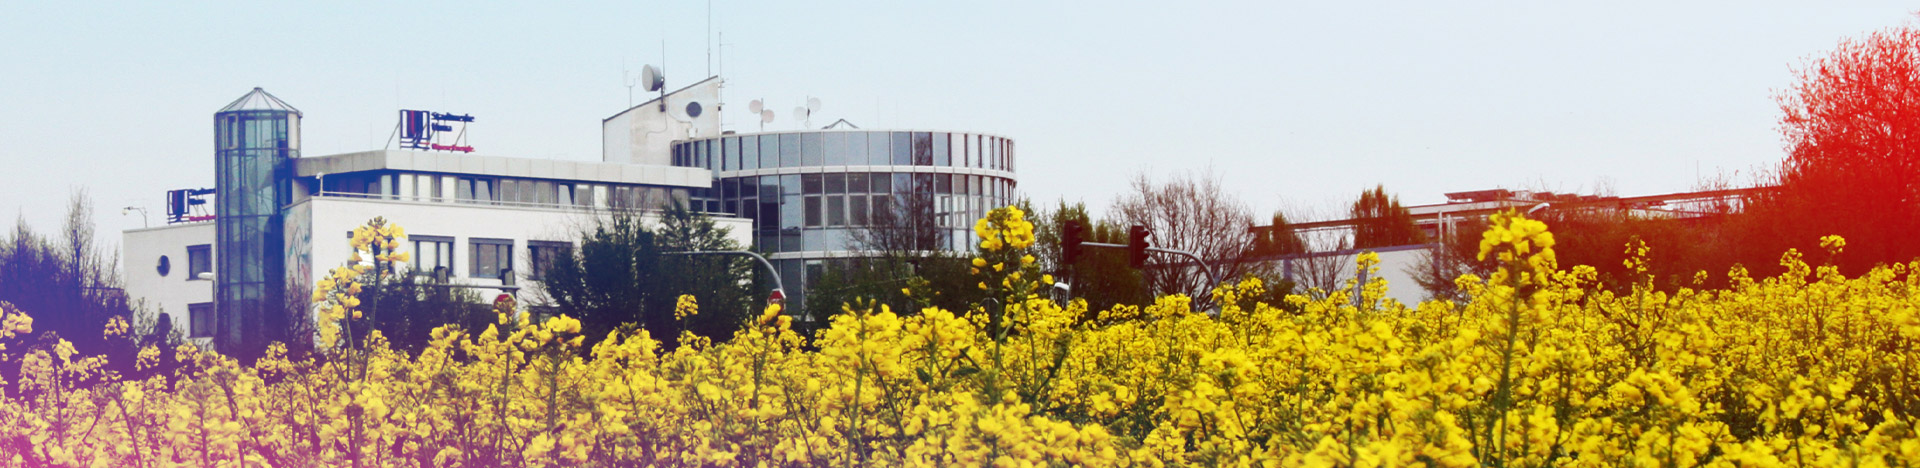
(282, 219)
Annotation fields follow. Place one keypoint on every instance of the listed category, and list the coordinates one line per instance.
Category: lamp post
(143, 214)
(779, 295)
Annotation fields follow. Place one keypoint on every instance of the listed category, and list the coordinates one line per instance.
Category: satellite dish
(693, 109)
(800, 113)
(766, 115)
(756, 106)
(813, 105)
(651, 78)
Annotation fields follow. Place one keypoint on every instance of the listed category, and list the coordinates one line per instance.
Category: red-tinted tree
(1851, 126)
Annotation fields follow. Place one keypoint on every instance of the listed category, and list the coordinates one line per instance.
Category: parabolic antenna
(813, 105)
(800, 114)
(766, 115)
(756, 106)
(651, 78)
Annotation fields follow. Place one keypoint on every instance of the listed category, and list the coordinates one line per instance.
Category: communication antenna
(653, 80)
(766, 116)
(804, 114)
(759, 108)
(627, 78)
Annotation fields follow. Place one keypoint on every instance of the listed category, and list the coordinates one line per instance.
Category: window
(811, 149)
(963, 146)
(200, 320)
(940, 157)
(476, 190)
(858, 209)
(769, 151)
(490, 257)
(790, 150)
(857, 148)
(431, 253)
(199, 260)
(813, 212)
(902, 149)
(836, 148)
(877, 149)
(542, 254)
(836, 211)
(730, 148)
(749, 153)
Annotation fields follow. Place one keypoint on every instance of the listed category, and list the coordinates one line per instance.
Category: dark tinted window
(200, 320)
(857, 182)
(490, 257)
(810, 184)
(199, 260)
(836, 182)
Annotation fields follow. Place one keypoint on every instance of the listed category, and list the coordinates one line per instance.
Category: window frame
(536, 269)
(445, 251)
(201, 320)
(503, 253)
(201, 264)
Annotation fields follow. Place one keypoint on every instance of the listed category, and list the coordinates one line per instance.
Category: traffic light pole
(1196, 258)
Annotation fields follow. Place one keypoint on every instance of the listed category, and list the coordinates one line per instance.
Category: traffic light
(1071, 235)
(1137, 246)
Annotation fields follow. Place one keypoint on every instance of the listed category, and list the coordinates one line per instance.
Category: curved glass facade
(819, 194)
(811, 191)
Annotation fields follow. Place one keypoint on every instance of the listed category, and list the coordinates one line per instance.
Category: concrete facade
(173, 290)
(318, 229)
(644, 134)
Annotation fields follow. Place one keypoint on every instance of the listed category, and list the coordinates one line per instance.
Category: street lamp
(143, 214)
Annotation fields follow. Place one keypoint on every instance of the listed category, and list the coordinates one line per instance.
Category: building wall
(333, 219)
(644, 134)
(1396, 265)
(318, 234)
(170, 293)
(811, 192)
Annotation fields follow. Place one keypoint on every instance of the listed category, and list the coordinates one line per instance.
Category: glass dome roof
(258, 100)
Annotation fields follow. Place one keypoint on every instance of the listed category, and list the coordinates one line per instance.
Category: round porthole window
(165, 266)
(693, 109)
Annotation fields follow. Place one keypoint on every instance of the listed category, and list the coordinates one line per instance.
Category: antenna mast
(709, 37)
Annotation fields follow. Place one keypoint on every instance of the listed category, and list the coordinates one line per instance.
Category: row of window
(505, 190)
(794, 201)
(486, 258)
(846, 149)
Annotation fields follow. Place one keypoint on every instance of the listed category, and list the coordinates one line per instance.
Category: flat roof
(500, 166)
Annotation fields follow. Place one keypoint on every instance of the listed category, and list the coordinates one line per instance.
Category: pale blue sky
(1294, 104)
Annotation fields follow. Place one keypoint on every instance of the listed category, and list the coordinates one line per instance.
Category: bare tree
(1191, 212)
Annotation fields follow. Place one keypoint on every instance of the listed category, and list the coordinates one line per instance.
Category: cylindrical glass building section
(255, 136)
(820, 194)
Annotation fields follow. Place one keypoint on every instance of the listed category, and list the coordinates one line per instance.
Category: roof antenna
(628, 79)
(709, 37)
(663, 72)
